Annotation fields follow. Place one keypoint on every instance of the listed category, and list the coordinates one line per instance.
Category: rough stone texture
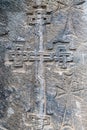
(43, 65)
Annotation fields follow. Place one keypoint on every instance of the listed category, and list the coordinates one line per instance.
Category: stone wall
(43, 65)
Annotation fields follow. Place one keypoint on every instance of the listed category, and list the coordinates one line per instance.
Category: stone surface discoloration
(43, 66)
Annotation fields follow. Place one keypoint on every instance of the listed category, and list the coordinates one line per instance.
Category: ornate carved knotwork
(36, 122)
(39, 12)
(18, 56)
(62, 56)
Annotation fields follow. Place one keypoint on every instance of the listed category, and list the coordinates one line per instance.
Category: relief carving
(64, 96)
(68, 32)
(47, 81)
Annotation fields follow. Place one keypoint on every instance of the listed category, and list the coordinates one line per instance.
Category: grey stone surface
(43, 65)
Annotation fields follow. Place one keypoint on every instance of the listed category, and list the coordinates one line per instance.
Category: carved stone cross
(19, 55)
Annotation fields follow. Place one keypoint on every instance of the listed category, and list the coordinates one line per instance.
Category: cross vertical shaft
(40, 68)
(41, 79)
(39, 24)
